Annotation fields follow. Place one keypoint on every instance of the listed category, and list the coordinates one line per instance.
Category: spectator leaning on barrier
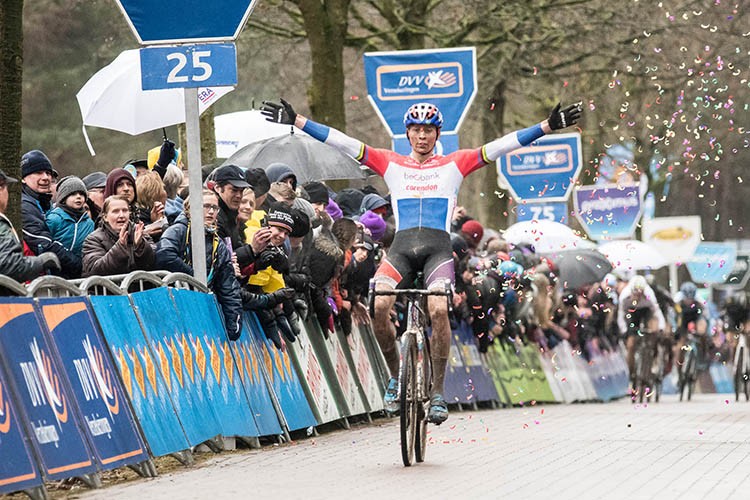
(69, 222)
(118, 246)
(173, 253)
(13, 263)
(36, 201)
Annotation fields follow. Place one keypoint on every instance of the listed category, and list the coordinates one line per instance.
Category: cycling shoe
(438, 410)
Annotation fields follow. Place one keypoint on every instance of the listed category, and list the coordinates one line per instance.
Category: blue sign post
(545, 170)
(208, 65)
(609, 211)
(446, 78)
(186, 21)
(556, 211)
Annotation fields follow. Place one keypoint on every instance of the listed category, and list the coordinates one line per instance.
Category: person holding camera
(118, 246)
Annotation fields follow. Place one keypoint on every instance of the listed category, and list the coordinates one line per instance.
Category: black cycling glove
(278, 113)
(559, 119)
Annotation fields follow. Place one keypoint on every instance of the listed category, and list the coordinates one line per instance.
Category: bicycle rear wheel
(423, 405)
(659, 371)
(408, 397)
(689, 375)
(739, 375)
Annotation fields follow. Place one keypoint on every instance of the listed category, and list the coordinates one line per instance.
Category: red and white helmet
(423, 113)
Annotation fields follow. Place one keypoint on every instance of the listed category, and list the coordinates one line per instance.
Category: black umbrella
(309, 159)
(577, 268)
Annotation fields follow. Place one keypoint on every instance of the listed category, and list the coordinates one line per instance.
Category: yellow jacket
(269, 279)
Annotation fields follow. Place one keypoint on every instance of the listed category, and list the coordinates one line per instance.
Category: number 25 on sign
(205, 65)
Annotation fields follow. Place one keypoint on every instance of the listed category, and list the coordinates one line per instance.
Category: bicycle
(643, 377)
(741, 368)
(688, 373)
(661, 359)
(415, 370)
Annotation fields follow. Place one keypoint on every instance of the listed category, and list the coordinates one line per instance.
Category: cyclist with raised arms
(423, 187)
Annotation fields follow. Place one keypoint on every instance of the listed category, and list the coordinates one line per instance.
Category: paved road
(616, 450)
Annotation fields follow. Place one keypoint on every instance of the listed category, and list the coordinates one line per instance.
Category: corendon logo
(4, 411)
(416, 81)
(44, 384)
(102, 377)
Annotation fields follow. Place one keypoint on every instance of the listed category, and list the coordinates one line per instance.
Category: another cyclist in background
(688, 311)
(423, 187)
(638, 314)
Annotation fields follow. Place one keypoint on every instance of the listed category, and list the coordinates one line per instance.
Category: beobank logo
(415, 81)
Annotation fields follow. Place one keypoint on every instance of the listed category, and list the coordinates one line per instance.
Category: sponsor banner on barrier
(335, 359)
(256, 385)
(479, 380)
(382, 374)
(183, 360)
(457, 387)
(17, 468)
(45, 400)
(444, 77)
(537, 383)
(372, 389)
(223, 385)
(140, 376)
(283, 379)
(319, 386)
(609, 211)
(96, 388)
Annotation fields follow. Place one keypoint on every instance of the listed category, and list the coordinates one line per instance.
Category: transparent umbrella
(632, 255)
(546, 236)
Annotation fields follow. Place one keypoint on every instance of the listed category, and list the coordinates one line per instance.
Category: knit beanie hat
(94, 180)
(301, 223)
(280, 217)
(473, 230)
(70, 185)
(333, 210)
(349, 200)
(374, 223)
(258, 179)
(36, 161)
(317, 192)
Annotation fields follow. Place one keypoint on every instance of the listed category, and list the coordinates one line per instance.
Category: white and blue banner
(545, 170)
(609, 211)
(712, 262)
(446, 78)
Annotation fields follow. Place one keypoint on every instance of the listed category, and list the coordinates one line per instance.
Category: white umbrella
(113, 99)
(236, 130)
(546, 236)
(632, 255)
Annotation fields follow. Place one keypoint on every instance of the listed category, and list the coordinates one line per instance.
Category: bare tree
(11, 76)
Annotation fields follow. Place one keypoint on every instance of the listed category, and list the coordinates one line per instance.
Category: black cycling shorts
(418, 249)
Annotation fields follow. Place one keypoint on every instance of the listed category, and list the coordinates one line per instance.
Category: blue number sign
(209, 65)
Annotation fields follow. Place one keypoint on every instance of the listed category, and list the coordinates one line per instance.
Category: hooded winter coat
(173, 254)
(104, 255)
(70, 228)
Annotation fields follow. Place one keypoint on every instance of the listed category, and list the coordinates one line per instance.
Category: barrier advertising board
(94, 384)
(140, 375)
(283, 380)
(183, 361)
(223, 385)
(44, 399)
(17, 468)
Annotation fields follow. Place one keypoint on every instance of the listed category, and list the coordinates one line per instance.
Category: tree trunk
(488, 208)
(326, 26)
(11, 78)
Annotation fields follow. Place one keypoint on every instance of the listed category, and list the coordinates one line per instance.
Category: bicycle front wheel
(739, 374)
(408, 397)
(425, 385)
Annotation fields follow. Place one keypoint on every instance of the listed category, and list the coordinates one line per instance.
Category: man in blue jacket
(36, 200)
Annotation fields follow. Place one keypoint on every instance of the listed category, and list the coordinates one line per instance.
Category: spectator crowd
(290, 251)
